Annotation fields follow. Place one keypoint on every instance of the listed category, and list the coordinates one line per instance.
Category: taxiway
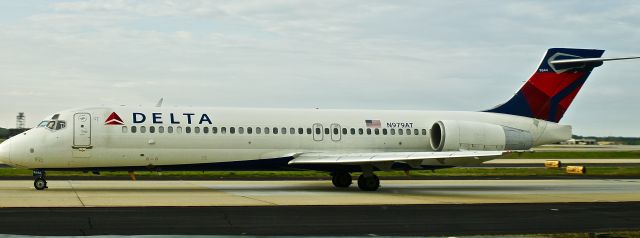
(92, 193)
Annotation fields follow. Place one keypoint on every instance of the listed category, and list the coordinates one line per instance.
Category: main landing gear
(368, 181)
(341, 179)
(40, 182)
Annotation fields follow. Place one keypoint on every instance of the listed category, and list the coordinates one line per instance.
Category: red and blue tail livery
(549, 92)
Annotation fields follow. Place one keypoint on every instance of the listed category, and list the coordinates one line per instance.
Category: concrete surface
(326, 221)
(85, 193)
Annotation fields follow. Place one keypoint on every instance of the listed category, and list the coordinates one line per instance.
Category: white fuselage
(214, 135)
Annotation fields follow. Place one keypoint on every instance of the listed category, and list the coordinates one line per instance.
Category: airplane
(341, 142)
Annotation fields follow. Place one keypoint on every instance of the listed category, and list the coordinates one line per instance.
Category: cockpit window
(61, 125)
(53, 124)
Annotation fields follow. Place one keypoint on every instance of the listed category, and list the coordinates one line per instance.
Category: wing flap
(379, 157)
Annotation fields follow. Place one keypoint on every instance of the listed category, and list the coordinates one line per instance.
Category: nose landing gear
(40, 182)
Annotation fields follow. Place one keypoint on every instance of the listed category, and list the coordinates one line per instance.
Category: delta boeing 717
(340, 142)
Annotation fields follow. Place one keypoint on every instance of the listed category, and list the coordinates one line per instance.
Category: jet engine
(451, 135)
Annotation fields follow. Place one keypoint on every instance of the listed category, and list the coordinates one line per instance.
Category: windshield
(43, 124)
(54, 123)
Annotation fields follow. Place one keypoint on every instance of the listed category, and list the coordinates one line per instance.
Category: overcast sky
(422, 55)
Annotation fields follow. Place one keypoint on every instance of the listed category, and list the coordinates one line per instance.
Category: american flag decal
(372, 123)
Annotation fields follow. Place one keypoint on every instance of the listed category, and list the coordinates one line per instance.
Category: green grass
(575, 155)
(599, 171)
(587, 235)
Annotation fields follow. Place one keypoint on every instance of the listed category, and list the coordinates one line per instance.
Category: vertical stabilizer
(549, 92)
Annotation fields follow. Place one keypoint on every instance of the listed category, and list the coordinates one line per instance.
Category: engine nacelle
(466, 135)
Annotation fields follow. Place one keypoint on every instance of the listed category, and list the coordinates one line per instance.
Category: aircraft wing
(412, 158)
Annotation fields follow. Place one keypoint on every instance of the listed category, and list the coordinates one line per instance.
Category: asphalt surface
(410, 220)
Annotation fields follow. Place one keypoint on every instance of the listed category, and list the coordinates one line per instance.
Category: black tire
(341, 179)
(368, 183)
(40, 183)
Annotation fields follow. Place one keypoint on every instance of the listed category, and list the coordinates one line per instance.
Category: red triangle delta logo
(113, 119)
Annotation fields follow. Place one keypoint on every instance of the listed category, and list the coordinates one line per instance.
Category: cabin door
(82, 130)
(335, 132)
(317, 132)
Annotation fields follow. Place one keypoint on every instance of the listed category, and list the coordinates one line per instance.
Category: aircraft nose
(4, 151)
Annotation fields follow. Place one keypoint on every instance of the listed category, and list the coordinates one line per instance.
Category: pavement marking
(76, 192)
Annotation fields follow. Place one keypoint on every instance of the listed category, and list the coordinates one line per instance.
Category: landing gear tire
(368, 183)
(40, 183)
(341, 179)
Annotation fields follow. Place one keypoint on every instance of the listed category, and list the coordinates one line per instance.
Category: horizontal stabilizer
(589, 60)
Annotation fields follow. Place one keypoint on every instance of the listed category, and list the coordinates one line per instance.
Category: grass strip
(574, 155)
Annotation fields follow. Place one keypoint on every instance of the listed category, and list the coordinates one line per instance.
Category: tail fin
(551, 89)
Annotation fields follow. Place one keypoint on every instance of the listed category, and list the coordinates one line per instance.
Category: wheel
(368, 183)
(341, 179)
(40, 183)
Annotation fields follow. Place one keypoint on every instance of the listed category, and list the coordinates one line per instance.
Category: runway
(91, 193)
(408, 220)
(400, 207)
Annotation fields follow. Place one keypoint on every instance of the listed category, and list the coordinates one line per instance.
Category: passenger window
(408, 131)
(187, 129)
(360, 131)
(318, 131)
(416, 132)
(170, 129)
(240, 130)
(301, 131)
(384, 131)
(249, 130)
(214, 130)
(400, 131)
(424, 132)
(223, 130)
(292, 131)
(344, 131)
(368, 131)
(336, 131)
(161, 129)
(133, 129)
(326, 131)
(275, 130)
(258, 130)
(308, 131)
(124, 129)
(377, 131)
(143, 129)
(205, 130)
(152, 129)
(283, 131)
(196, 130)
(178, 130)
(393, 131)
(353, 131)
(232, 130)
(266, 130)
